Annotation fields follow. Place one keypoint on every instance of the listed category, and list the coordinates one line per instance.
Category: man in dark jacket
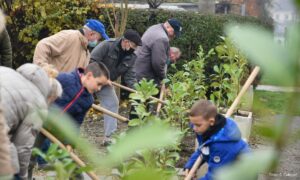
(5, 49)
(152, 56)
(118, 56)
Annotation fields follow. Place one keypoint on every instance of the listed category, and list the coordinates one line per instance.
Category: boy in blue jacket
(77, 98)
(219, 138)
(78, 88)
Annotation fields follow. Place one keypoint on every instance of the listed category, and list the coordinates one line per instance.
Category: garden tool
(115, 115)
(72, 155)
(161, 97)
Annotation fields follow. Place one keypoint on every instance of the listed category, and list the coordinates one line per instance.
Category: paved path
(289, 165)
(277, 88)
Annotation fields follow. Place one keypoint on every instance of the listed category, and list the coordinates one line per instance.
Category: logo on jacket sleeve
(205, 150)
(217, 159)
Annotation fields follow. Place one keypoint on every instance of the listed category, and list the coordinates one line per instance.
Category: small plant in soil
(60, 161)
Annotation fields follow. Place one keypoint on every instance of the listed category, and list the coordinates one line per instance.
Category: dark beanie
(133, 36)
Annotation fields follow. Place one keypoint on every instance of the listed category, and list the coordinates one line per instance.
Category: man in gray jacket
(152, 56)
(22, 93)
(118, 56)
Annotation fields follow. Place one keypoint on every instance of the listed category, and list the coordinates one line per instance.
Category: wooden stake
(134, 91)
(161, 97)
(73, 156)
(115, 115)
(228, 114)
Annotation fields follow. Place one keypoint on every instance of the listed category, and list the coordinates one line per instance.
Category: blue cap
(176, 25)
(97, 26)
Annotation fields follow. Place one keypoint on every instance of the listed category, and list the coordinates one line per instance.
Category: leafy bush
(30, 21)
(185, 87)
(160, 160)
(198, 29)
(226, 80)
(193, 82)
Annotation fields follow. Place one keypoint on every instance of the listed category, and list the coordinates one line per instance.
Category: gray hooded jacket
(22, 93)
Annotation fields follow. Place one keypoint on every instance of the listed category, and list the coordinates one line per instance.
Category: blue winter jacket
(220, 149)
(75, 100)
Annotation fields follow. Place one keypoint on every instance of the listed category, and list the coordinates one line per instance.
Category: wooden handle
(161, 97)
(194, 168)
(115, 115)
(243, 90)
(134, 91)
(229, 112)
(72, 155)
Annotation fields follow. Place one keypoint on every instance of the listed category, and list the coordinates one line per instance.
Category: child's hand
(69, 148)
(109, 82)
(186, 172)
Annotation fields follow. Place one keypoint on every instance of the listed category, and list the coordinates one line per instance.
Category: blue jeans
(44, 148)
(109, 100)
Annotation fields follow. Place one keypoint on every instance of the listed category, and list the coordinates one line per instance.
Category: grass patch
(271, 103)
(267, 80)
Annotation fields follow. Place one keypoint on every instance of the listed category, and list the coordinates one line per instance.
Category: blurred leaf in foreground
(248, 166)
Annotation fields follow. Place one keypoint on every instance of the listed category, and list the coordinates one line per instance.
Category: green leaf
(134, 122)
(248, 167)
(216, 69)
(146, 174)
(156, 135)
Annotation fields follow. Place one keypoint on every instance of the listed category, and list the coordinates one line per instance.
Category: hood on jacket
(37, 76)
(230, 132)
(2, 21)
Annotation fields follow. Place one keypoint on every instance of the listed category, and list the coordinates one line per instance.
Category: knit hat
(133, 36)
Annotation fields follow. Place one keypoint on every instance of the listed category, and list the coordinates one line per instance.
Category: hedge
(198, 29)
(26, 28)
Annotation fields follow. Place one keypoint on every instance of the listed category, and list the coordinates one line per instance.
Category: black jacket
(108, 53)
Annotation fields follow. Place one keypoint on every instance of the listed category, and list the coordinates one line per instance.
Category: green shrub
(198, 29)
(29, 22)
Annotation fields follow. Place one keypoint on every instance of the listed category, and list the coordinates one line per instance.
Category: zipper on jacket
(73, 100)
(76, 97)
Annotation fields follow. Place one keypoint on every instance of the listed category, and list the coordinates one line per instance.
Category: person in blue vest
(77, 98)
(219, 138)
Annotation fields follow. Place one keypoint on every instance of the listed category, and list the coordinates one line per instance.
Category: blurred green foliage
(60, 161)
(281, 65)
(143, 147)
